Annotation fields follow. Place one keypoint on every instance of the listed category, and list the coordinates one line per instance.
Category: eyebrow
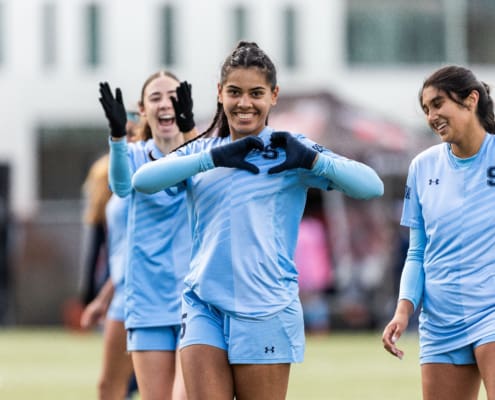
(157, 92)
(250, 89)
(436, 98)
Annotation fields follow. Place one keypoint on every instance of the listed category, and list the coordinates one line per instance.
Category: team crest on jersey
(407, 193)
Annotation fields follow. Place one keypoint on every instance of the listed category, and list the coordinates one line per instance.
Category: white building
(53, 54)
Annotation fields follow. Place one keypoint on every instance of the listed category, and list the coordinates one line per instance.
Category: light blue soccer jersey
(159, 249)
(453, 201)
(244, 229)
(116, 219)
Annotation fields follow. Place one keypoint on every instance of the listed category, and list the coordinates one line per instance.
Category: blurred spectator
(312, 257)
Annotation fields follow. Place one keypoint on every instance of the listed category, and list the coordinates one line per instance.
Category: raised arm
(168, 171)
(351, 177)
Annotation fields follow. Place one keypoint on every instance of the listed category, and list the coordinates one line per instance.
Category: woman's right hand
(114, 110)
(394, 329)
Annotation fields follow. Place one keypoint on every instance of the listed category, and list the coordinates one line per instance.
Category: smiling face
(157, 108)
(451, 120)
(247, 99)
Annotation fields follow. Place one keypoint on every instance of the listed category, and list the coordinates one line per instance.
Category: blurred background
(349, 72)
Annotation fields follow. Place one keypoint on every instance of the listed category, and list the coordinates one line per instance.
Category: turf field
(49, 364)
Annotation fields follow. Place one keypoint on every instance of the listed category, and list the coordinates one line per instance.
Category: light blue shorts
(461, 356)
(157, 338)
(278, 339)
(116, 310)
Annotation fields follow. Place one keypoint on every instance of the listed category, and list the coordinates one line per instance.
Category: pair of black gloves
(231, 155)
(117, 117)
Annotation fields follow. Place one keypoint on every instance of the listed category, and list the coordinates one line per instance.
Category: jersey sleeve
(411, 210)
(413, 275)
(119, 169)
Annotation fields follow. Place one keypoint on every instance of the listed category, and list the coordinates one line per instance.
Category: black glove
(183, 106)
(232, 155)
(114, 110)
(297, 154)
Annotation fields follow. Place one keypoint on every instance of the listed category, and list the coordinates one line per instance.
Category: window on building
(2, 34)
(48, 35)
(65, 154)
(480, 27)
(167, 54)
(395, 31)
(290, 37)
(93, 35)
(239, 21)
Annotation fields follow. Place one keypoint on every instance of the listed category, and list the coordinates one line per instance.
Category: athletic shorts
(157, 338)
(275, 340)
(116, 310)
(462, 356)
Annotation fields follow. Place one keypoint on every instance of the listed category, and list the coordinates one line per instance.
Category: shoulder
(201, 144)
(430, 154)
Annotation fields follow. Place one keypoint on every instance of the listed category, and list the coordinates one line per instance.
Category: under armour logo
(433, 181)
(269, 349)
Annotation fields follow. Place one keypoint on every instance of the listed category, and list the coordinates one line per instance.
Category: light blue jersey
(245, 226)
(159, 242)
(452, 201)
(116, 218)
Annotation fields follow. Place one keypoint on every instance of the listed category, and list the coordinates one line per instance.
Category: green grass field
(50, 364)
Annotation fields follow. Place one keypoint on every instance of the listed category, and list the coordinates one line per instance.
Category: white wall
(69, 92)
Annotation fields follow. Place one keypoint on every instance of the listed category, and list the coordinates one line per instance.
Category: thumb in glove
(232, 155)
(297, 154)
(183, 106)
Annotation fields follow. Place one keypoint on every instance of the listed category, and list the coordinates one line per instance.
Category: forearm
(351, 177)
(169, 171)
(413, 276)
(105, 294)
(119, 171)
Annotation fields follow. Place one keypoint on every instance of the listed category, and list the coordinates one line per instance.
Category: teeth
(244, 116)
(166, 117)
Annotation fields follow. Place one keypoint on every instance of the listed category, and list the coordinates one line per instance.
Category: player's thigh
(207, 373)
(117, 363)
(261, 381)
(450, 382)
(155, 373)
(485, 357)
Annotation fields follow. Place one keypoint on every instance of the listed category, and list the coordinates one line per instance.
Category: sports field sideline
(53, 364)
(56, 364)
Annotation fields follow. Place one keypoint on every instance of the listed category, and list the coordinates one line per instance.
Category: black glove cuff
(186, 124)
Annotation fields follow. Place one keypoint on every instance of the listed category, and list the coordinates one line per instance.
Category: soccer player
(159, 237)
(450, 264)
(242, 324)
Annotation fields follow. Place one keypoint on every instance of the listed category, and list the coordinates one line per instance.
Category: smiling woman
(157, 233)
(242, 324)
(451, 257)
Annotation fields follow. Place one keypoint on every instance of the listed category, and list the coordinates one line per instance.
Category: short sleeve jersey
(159, 250)
(452, 200)
(244, 229)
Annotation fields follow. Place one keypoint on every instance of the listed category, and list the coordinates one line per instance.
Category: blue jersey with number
(159, 248)
(453, 200)
(244, 229)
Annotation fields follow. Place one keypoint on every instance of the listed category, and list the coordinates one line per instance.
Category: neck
(470, 145)
(167, 145)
